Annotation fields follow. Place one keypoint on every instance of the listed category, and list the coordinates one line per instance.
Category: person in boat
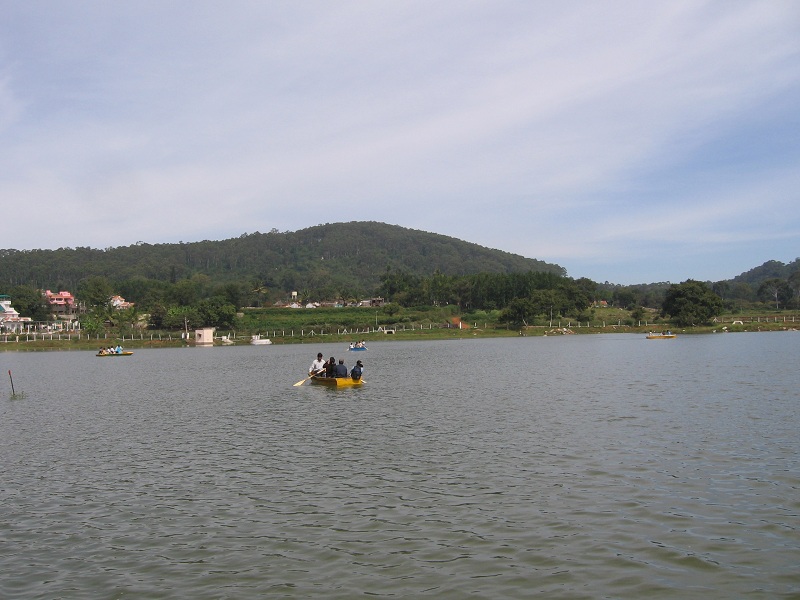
(317, 366)
(357, 371)
(341, 369)
(118, 349)
(330, 367)
(352, 345)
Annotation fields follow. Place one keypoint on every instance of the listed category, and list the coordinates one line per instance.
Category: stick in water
(13, 393)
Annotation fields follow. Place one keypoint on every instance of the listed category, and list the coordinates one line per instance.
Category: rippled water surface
(573, 467)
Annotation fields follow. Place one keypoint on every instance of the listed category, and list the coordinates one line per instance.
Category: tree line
(513, 298)
(207, 283)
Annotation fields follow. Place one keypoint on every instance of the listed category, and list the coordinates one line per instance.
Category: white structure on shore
(10, 321)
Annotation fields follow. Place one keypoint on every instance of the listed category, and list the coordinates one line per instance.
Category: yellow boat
(661, 336)
(337, 381)
(126, 353)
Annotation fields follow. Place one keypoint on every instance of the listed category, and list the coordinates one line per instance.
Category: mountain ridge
(351, 254)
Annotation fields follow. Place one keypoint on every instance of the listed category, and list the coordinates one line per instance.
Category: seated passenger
(330, 367)
(357, 371)
(341, 369)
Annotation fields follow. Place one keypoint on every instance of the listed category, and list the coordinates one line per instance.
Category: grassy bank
(330, 325)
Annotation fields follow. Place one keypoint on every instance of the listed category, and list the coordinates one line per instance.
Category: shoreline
(54, 344)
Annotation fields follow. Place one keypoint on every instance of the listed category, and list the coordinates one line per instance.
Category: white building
(10, 321)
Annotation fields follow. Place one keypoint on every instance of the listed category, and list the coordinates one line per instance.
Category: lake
(568, 467)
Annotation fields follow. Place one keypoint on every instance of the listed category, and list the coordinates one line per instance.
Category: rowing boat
(126, 353)
(661, 336)
(337, 382)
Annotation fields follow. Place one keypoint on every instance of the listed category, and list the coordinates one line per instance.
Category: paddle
(302, 381)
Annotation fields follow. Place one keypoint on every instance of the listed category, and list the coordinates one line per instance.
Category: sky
(626, 141)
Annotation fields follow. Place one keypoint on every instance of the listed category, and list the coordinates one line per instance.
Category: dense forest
(207, 283)
(326, 258)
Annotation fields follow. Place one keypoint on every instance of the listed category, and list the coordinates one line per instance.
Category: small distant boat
(357, 348)
(126, 353)
(257, 340)
(661, 336)
(337, 381)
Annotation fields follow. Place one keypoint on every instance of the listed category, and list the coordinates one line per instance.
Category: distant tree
(519, 311)
(95, 291)
(125, 320)
(216, 312)
(691, 303)
(29, 302)
(158, 314)
(144, 292)
(721, 288)
(742, 291)
(233, 293)
(777, 291)
(625, 297)
(259, 294)
(462, 292)
(575, 299)
(540, 302)
(589, 287)
(182, 317)
(391, 309)
(794, 283)
(92, 323)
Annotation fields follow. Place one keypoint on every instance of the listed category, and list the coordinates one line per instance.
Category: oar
(302, 381)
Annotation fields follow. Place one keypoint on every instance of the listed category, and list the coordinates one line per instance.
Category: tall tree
(95, 291)
(691, 303)
(777, 291)
(794, 283)
(721, 288)
(29, 302)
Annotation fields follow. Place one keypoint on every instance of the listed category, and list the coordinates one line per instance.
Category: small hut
(204, 337)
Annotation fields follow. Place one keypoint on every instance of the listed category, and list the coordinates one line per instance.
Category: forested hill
(338, 255)
(772, 269)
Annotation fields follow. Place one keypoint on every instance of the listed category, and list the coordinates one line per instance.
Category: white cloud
(481, 120)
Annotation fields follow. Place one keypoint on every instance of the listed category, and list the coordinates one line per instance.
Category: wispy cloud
(566, 132)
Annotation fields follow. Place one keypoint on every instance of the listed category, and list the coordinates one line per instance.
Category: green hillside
(337, 256)
(772, 269)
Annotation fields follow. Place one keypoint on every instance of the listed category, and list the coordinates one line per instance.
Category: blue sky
(630, 142)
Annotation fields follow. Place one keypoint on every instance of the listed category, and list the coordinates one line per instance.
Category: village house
(60, 303)
(10, 321)
(372, 302)
(119, 303)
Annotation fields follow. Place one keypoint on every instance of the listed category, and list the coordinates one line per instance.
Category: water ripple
(204, 474)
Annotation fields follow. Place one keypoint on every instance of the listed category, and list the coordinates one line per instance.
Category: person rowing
(317, 366)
